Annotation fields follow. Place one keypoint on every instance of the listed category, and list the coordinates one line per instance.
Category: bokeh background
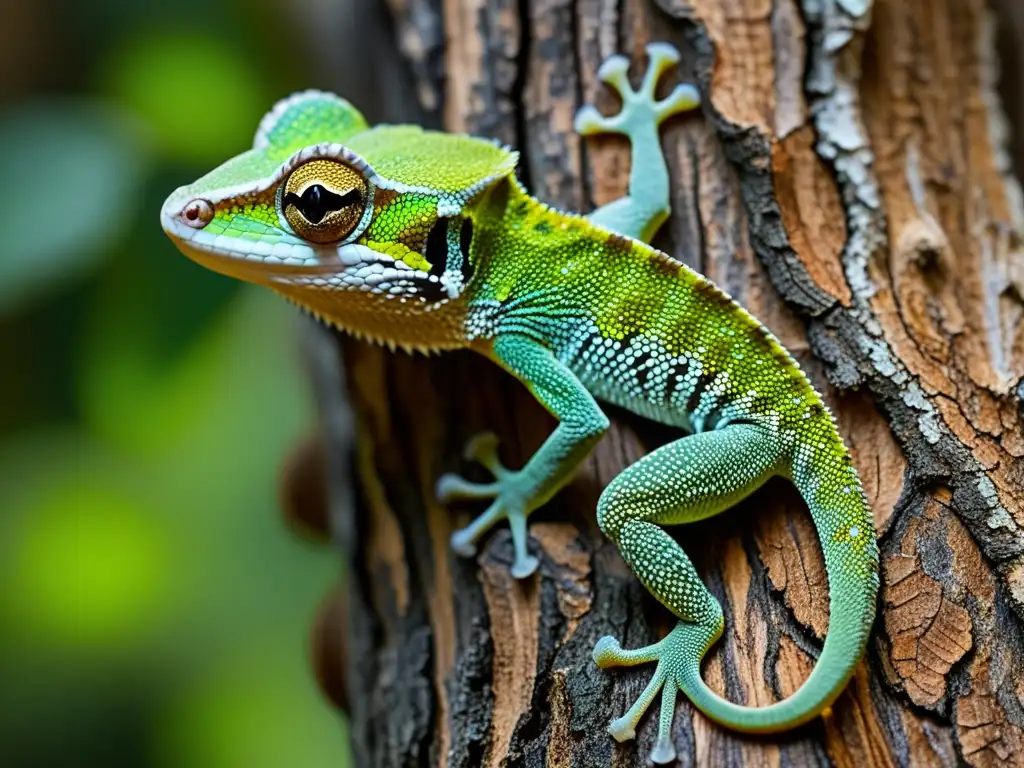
(155, 610)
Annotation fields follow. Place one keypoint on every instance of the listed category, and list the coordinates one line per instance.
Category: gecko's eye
(324, 200)
(198, 213)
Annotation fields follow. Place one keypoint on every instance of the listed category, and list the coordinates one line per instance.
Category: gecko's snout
(197, 213)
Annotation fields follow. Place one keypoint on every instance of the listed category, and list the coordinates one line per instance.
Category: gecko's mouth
(267, 259)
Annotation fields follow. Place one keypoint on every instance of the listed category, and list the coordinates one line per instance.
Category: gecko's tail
(830, 486)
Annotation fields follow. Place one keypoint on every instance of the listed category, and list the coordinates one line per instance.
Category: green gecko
(427, 241)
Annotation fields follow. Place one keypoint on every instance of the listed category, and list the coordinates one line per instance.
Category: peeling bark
(850, 182)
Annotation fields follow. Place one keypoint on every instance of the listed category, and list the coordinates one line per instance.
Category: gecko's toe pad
(462, 545)
(606, 651)
(483, 445)
(589, 121)
(613, 68)
(524, 567)
(622, 729)
(663, 751)
(663, 51)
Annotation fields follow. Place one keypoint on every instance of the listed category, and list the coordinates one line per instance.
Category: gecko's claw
(640, 106)
(622, 729)
(508, 503)
(606, 651)
(589, 122)
(683, 98)
(524, 568)
(674, 654)
(613, 71)
(664, 752)
(483, 448)
(662, 57)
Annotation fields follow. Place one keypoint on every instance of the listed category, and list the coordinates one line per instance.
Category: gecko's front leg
(647, 205)
(516, 493)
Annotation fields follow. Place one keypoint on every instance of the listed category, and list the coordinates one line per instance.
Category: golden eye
(324, 200)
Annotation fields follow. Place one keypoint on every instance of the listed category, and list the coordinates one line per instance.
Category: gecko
(427, 241)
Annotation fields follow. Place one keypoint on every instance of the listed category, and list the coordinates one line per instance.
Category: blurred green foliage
(156, 611)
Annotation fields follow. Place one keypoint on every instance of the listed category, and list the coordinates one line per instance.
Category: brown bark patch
(790, 549)
(570, 572)
(986, 736)
(811, 211)
(513, 609)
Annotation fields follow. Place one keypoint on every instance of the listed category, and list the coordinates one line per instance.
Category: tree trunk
(849, 181)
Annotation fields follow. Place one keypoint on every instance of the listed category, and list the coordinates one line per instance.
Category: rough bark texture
(849, 181)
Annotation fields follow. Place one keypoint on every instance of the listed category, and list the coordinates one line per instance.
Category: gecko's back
(639, 329)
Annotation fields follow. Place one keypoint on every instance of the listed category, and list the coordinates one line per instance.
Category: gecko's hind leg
(647, 206)
(684, 481)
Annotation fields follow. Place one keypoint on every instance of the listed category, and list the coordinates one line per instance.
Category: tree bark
(849, 180)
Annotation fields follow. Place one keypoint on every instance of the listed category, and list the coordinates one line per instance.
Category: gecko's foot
(678, 653)
(509, 503)
(641, 109)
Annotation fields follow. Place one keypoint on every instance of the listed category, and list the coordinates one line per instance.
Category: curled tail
(845, 528)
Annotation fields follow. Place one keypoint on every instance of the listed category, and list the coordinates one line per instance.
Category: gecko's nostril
(198, 213)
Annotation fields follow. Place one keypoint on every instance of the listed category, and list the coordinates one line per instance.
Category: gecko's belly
(640, 406)
(637, 375)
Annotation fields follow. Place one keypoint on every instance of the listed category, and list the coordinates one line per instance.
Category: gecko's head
(335, 215)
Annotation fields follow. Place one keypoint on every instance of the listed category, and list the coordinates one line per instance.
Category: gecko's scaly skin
(427, 241)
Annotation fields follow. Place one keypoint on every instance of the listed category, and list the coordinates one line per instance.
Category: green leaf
(72, 171)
